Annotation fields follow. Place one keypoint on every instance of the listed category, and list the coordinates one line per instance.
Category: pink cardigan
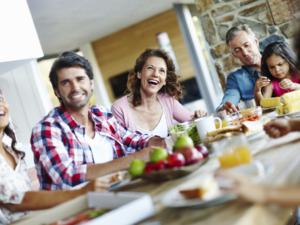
(173, 110)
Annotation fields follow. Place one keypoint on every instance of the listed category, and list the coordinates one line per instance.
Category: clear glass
(233, 151)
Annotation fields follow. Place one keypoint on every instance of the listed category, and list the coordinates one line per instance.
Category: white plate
(255, 170)
(256, 135)
(290, 115)
(213, 195)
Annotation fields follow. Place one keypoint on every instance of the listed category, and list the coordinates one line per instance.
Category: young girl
(278, 67)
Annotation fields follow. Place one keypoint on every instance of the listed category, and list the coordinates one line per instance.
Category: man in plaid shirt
(75, 142)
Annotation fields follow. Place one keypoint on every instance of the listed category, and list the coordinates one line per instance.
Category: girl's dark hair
(280, 49)
(172, 86)
(10, 133)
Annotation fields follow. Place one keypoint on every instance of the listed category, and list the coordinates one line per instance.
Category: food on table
(292, 107)
(270, 102)
(154, 166)
(187, 128)
(202, 149)
(185, 145)
(184, 153)
(250, 114)
(191, 154)
(224, 130)
(81, 217)
(158, 154)
(193, 193)
(279, 109)
(136, 167)
(175, 159)
(290, 102)
(183, 141)
(290, 97)
(118, 176)
(193, 133)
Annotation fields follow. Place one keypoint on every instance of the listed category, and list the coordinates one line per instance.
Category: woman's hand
(261, 82)
(288, 84)
(199, 113)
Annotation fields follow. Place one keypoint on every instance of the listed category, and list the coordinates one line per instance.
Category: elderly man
(76, 142)
(240, 84)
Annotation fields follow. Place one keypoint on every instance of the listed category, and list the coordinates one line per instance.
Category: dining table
(281, 158)
(281, 164)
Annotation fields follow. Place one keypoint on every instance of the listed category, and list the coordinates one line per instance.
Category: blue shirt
(240, 85)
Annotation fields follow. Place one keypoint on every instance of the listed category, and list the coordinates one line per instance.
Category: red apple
(154, 166)
(191, 155)
(202, 149)
(149, 168)
(175, 159)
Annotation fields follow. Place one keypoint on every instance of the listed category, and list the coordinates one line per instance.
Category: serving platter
(170, 174)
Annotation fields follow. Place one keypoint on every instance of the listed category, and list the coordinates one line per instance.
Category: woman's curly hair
(172, 86)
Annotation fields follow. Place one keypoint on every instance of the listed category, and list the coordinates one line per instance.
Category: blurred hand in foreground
(241, 186)
(278, 127)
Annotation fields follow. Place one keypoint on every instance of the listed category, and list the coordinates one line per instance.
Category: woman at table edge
(152, 103)
(15, 184)
(286, 196)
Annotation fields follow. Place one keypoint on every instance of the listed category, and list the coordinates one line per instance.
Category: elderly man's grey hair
(233, 31)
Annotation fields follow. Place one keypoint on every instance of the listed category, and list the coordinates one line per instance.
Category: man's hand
(157, 141)
(277, 128)
(229, 107)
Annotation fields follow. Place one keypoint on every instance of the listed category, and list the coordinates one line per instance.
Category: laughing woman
(152, 103)
(15, 185)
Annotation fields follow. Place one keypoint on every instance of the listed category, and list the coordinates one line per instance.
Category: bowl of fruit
(163, 165)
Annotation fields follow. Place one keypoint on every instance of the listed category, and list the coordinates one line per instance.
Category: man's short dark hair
(67, 60)
(232, 32)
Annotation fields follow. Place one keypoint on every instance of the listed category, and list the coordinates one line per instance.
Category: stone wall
(265, 17)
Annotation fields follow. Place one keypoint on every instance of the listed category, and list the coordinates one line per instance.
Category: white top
(13, 185)
(161, 128)
(101, 148)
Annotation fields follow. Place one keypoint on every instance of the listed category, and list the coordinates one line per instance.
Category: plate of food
(111, 180)
(184, 159)
(200, 192)
(173, 173)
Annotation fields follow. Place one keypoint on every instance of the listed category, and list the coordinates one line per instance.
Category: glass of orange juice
(234, 151)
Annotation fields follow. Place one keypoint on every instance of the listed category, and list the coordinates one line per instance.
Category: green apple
(183, 142)
(136, 167)
(158, 154)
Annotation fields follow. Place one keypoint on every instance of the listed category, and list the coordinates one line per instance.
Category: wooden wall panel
(117, 52)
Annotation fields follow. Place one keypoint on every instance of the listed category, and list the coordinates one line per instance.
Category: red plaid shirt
(61, 154)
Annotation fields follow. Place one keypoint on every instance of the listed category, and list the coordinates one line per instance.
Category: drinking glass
(233, 151)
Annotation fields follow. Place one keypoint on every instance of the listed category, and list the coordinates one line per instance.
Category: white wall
(28, 100)
(18, 39)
